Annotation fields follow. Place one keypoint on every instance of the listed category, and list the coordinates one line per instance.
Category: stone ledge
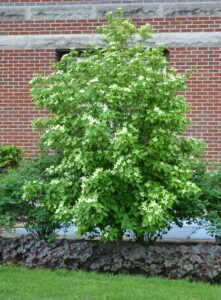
(80, 41)
(80, 2)
(98, 11)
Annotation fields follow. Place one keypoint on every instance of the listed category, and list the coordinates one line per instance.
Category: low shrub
(205, 207)
(37, 220)
(210, 199)
(191, 209)
(193, 262)
(10, 157)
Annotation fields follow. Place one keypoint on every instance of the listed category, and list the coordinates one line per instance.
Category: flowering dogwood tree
(115, 118)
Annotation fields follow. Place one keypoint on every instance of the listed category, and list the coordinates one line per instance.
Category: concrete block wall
(31, 31)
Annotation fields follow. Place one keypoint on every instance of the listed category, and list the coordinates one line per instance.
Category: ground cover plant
(19, 284)
(116, 118)
(201, 262)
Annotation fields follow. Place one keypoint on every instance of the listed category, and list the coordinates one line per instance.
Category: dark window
(60, 53)
(167, 54)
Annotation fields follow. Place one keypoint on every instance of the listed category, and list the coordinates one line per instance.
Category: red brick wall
(181, 24)
(16, 109)
(203, 93)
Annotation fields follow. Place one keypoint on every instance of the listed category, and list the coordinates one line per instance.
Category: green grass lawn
(22, 284)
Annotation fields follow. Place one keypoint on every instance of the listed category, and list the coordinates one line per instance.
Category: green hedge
(10, 156)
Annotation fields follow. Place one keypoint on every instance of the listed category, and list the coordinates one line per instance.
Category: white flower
(83, 178)
(59, 72)
(121, 132)
(54, 182)
(55, 95)
(126, 89)
(55, 128)
(141, 77)
(88, 200)
(77, 158)
(93, 80)
(97, 173)
(105, 108)
(114, 86)
(93, 121)
(46, 77)
(90, 119)
(48, 143)
(82, 91)
(158, 110)
(119, 162)
(124, 130)
(132, 60)
(155, 139)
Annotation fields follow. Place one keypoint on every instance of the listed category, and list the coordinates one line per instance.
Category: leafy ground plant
(19, 284)
(177, 261)
(116, 117)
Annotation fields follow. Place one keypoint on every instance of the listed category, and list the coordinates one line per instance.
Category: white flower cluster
(46, 77)
(58, 127)
(34, 78)
(59, 72)
(158, 110)
(173, 77)
(104, 107)
(90, 119)
(78, 157)
(97, 173)
(155, 139)
(83, 178)
(54, 182)
(93, 80)
(119, 133)
(127, 90)
(114, 86)
(123, 131)
(88, 199)
(120, 163)
(54, 96)
(141, 77)
(133, 60)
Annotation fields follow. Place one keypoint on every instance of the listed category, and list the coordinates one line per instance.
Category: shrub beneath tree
(10, 157)
(38, 220)
(209, 199)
